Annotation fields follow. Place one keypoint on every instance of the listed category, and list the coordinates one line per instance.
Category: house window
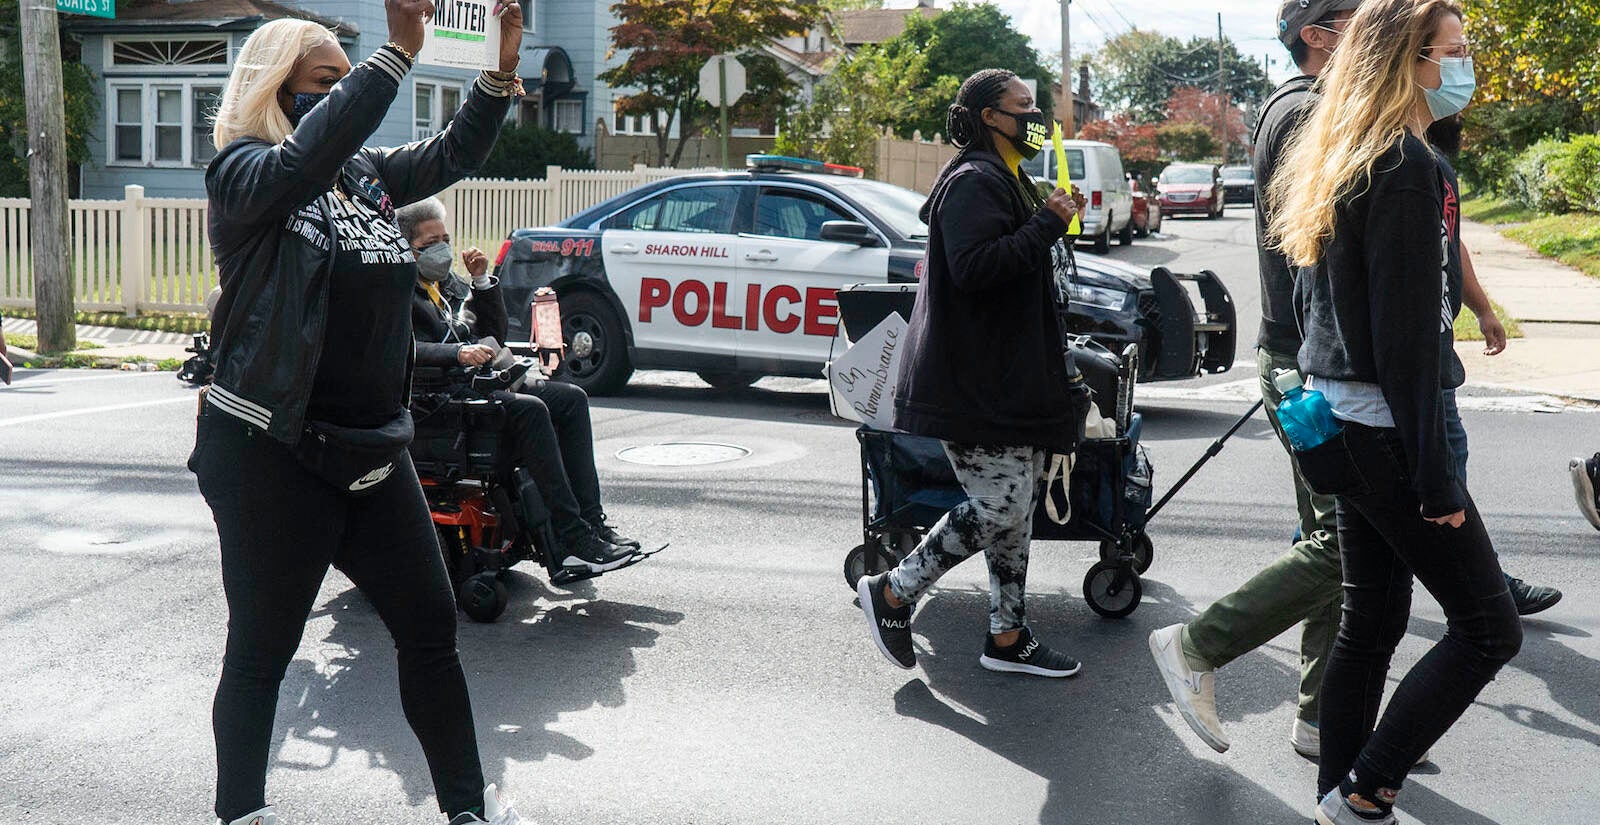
(436, 104)
(161, 123)
(568, 116)
(190, 52)
(633, 124)
(530, 13)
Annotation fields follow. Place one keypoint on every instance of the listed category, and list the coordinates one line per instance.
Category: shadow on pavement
(551, 653)
(1097, 737)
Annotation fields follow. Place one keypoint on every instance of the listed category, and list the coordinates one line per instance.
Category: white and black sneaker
(1585, 473)
(1027, 655)
(890, 626)
(596, 554)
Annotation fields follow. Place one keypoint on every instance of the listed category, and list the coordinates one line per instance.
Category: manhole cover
(682, 454)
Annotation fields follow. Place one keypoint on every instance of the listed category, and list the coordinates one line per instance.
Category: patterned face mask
(1032, 132)
(304, 102)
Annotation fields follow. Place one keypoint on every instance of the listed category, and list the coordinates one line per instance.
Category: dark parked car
(1239, 184)
(1191, 189)
(733, 275)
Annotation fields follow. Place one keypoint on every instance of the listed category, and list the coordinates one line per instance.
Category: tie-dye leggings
(997, 518)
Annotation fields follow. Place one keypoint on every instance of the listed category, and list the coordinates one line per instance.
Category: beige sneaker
(1194, 692)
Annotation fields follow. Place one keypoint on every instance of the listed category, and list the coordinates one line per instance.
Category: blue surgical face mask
(304, 102)
(1457, 83)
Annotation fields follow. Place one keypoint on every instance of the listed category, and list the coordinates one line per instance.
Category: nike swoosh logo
(372, 479)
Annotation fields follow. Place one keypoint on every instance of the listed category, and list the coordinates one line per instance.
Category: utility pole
(1067, 80)
(1222, 93)
(48, 220)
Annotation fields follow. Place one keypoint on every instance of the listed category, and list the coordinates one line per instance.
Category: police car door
(788, 276)
(670, 259)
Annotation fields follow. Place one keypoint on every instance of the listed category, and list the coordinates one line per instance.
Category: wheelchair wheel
(867, 560)
(1112, 590)
(1144, 552)
(482, 597)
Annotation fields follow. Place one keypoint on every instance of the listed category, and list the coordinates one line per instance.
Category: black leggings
(1385, 541)
(280, 528)
(555, 444)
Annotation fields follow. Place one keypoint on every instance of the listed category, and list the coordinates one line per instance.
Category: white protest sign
(464, 34)
(863, 378)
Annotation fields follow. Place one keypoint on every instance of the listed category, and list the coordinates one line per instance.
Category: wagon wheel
(1112, 590)
(867, 560)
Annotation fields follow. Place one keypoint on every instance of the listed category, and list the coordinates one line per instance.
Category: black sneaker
(1027, 655)
(890, 626)
(1531, 598)
(596, 554)
(1585, 478)
(610, 534)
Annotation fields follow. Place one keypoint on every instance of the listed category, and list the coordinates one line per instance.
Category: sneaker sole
(864, 594)
(1173, 692)
(1583, 491)
(1003, 666)
(599, 567)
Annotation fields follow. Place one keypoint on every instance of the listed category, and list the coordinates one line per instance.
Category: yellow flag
(1064, 180)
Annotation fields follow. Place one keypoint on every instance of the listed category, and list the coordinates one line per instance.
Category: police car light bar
(760, 161)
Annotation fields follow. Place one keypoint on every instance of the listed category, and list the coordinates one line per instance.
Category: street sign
(710, 85)
(93, 8)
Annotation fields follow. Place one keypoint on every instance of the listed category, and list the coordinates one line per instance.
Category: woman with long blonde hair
(1364, 209)
(300, 446)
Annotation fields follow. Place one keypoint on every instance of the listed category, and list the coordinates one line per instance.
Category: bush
(1576, 171)
(524, 150)
(1497, 132)
(1531, 182)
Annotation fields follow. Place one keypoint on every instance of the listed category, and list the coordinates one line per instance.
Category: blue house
(161, 64)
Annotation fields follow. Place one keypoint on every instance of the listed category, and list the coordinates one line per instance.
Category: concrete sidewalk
(114, 343)
(1559, 308)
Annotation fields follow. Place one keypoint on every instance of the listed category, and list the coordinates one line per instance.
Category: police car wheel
(728, 380)
(597, 356)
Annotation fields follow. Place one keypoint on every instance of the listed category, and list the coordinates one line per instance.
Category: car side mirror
(850, 232)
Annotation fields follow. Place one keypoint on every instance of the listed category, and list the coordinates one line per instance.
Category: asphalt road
(730, 680)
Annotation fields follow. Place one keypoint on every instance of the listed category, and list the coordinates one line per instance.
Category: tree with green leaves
(1187, 141)
(1137, 72)
(668, 41)
(957, 42)
(81, 104)
(862, 96)
(1538, 77)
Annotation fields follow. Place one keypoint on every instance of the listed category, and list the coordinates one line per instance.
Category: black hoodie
(983, 355)
(1375, 308)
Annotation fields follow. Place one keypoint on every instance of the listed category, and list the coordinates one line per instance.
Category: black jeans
(554, 440)
(1385, 541)
(280, 528)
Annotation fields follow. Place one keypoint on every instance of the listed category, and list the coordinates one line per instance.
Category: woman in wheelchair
(547, 421)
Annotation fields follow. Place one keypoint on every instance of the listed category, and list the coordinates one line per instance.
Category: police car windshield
(893, 205)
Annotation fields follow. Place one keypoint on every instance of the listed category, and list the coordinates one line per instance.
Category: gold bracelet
(410, 58)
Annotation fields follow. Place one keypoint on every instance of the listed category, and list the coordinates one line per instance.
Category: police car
(732, 275)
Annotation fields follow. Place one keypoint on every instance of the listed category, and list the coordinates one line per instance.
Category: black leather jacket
(274, 244)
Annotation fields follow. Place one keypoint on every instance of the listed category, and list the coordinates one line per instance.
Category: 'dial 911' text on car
(733, 275)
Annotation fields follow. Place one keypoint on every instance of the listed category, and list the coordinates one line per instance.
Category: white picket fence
(144, 254)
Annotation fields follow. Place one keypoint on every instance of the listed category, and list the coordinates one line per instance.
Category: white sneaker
(497, 810)
(265, 816)
(1193, 691)
(1334, 811)
(1307, 741)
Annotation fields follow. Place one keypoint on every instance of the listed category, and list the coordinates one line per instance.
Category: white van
(1097, 170)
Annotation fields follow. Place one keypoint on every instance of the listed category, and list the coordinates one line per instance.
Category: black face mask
(1033, 130)
(304, 102)
(1445, 135)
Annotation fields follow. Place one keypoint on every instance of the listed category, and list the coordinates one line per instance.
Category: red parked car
(1192, 189)
(1146, 207)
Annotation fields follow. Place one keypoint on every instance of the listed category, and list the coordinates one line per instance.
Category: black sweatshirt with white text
(1373, 309)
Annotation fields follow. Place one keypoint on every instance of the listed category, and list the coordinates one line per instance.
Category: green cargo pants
(1303, 584)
